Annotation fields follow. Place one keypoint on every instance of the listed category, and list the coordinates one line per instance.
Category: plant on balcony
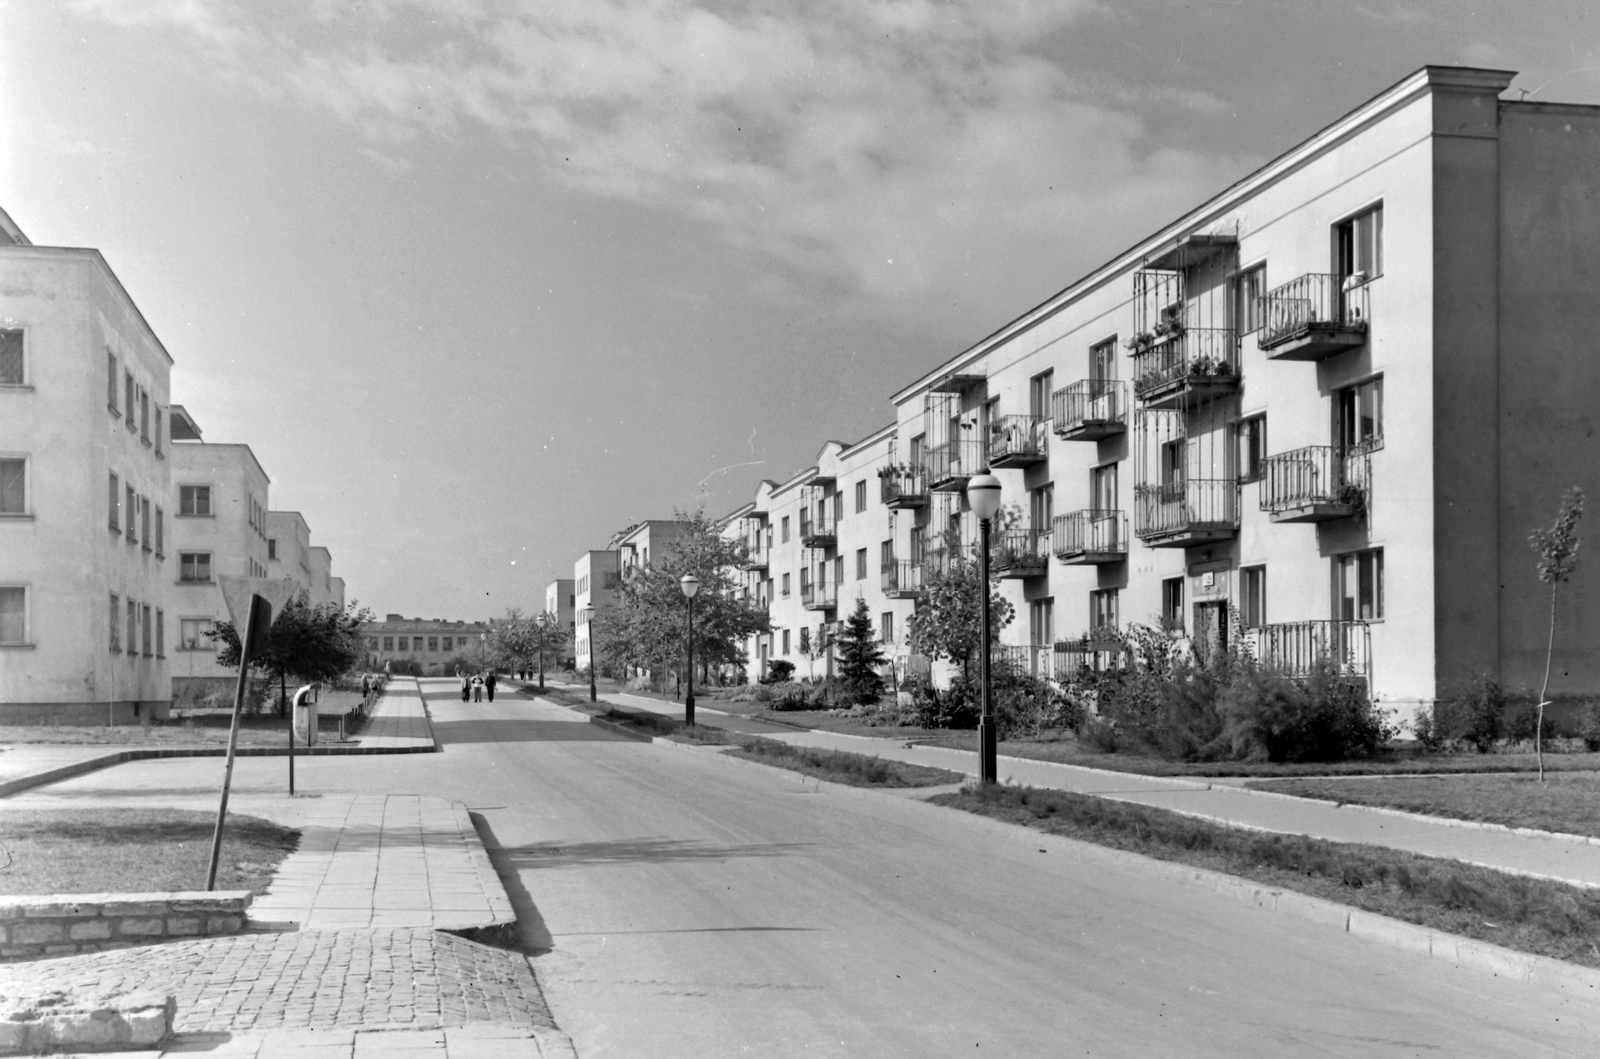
(1205, 366)
(897, 470)
(1557, 548)
(1141, 342)
(1355, 497)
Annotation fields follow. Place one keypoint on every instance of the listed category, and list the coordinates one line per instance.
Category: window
(1102, 609)
(1248, 288)
(1250, 437)
(194, 566)
(886, 627)
(13, 614)
(13, 485)
(448, 644)
(786, 593)
(786, 631)
(192, 634)
(388, 643)
(1103, 488)
(116, 504)
(838, 571)
(1253, 596)
(1041, 506)
(12, 371)
(919, 447)
(1039, 394)
(433, 643)
(886, 555)
(130, 410)
(144, 522)
(132, 512)
(838, 506)
(786, 531)
(1171, 469)
(161, 533)
(1042, 622)
(161, 633)
(1172, 604)
(861, 496)
(144, 629)
(1360, 241)
(194, 500)
(158, 431)
(116, 619)
(1361, 415)
(144, 417)
(416, 643)
(111, 383)
(861, 564)
(272, 549)
(1361, 585)
(133, 628)
(1103, 360)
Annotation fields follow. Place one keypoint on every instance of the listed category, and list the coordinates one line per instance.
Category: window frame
(186, 559)
(27, 622)
(886, 627)
(199, 643)
(1253, 427)
(861, 496)
(130, 530)
(861, 564)
(25, 380)
(1347, 244)
(1372, 442)
(1039, 393)
(1253, 596)
(26, 511)
(1249, 287)
(129, 400)
(1354, 560)
(1172, 595)
(114, 519)
(1097, 612)
(210, 509)
(113, 376)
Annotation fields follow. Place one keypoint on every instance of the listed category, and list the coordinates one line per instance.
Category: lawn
(79, 851)
(837, 766)
(196, 727)
(1566, 801)
(1532, 915)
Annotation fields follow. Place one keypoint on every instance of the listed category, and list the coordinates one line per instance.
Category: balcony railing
(1090, 410)
(1086, 538)
(903, 487)
(820, 595)
(951, 464)
(816, 531)
(1312, 317)
(1034, 660)
(1074, 656)
(1018, 441)
(1195, 360)
(1296, 648)
(1315, 484)
(1186, 512)
(902, 579)
(1020, 553)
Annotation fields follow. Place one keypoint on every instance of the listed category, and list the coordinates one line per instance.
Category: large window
(192, 634)
(161, 633)
(1248, 287)
(194, 500)
(786, 591)
(144, 417)
(1361, 415)
(1102, 609)
(133, 628)
(13, 371)
(116, 504)
(13, 485)
(861, 496)
(1360, 576)
(116, 622)
(1360, 242)
(786, 632)
(1250, 437)
(388, 643)
(144, 522)
(1172, 604)
(13, 614)
(194, 566)
(1042, 622)
(1042, 506)
(886, 627)
(1039, 394)
(433, 643)
(1253, 596)
(1103, 488)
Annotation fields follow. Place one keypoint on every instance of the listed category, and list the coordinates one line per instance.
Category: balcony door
(1210, 627)
(1041, 507)
(1103, 507)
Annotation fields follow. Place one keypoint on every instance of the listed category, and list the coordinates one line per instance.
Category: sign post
(252, 602)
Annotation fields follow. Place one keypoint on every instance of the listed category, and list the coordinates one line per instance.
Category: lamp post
(690, 585)
(587, 614)
(983, 496)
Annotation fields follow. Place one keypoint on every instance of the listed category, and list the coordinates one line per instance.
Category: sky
(482, 282)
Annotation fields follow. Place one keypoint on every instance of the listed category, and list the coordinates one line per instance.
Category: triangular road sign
(236, 593)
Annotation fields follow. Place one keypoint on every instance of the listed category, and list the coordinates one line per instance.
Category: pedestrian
(466, 687)
(366, 685)
(489, 683)
(477, 689)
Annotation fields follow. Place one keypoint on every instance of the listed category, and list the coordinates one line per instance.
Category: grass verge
(836, 766)
(1566, 801)
(1530, 915)
(82, 851)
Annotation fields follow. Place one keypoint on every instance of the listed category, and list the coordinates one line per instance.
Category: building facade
(289, 548)
(596, 576)
(433, 645)
(560, 597)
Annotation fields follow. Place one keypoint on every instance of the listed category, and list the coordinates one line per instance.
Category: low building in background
(428, 646)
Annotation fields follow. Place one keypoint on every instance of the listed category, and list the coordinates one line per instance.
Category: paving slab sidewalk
(1563, 858)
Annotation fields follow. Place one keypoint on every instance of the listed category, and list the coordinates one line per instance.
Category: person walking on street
(488, 682)
(466, 687)
(477, 689)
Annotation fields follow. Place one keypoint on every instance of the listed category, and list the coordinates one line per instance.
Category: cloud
(864, 141)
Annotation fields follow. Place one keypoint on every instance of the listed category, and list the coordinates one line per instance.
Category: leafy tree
(860, 655)
(947, 624)
(309, 643)
(1557, 548)
(646, 622)
(812, 649)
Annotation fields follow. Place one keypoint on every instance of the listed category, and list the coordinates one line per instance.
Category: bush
(1589, 725)
(1476, 714)
(1271, 717)
(1522, 720)
(778, 671)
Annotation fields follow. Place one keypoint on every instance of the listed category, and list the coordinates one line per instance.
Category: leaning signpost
(252, 602)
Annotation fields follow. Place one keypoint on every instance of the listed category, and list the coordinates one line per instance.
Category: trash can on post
(305, 715)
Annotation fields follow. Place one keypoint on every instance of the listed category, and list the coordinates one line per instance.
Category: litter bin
(305, 715)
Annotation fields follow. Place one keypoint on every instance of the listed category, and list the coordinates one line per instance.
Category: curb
(620, 729)
(500, 902)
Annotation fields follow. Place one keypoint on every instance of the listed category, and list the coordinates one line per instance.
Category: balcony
(1096, 656)
(819, 596)
(1091, 538)
(1020, 553)
(902, 579)
(950, 465)
(1297, 648)
(1090, 410)
(1192, 362)
(1318, 483)
(1018, 441)
(1313, 317)
(1034, 660)
(1184, 513)
(816, 531)
(902, 487)
(935, 562)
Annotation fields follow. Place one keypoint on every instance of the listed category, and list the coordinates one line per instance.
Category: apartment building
(639, 543)
(560, 597)
(433, 644)
(596, 576)
(219, 529)
(289, 548)
(85, 566)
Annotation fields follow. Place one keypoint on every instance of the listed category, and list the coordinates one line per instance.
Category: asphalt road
(686, 905)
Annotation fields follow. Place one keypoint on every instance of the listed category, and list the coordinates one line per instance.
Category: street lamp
(690, 585)
(983, 496)
(587, 614)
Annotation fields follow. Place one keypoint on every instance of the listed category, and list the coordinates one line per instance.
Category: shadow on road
(488, 730)
(533, 937)
(638, 850)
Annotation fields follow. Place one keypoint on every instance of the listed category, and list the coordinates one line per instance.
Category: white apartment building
(289, 548)
(433, 644)
(85, 566)
(596, 576)
(560, 597)
(219, 529)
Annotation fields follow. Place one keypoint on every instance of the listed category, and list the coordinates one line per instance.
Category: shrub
(1476, 714)
(1268, 716)
(1523, 718)
(1589, 725)
(778, 671)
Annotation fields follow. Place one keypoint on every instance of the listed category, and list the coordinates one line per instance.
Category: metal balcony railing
(816, 531)
(1184, 509)
(1183, 360)
(1017, 441)
(1090, 409)
(903, 487)
(1315, 483)
(1090, 536)
(1074, 656)
(1034, 660)
(819, 595)
(1296, 648)
(1019, 553)
(1313, 316)
(902, 579)
(951, 464)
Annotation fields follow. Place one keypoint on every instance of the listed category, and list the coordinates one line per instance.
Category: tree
(860, 655)
(947, 624)
(1557, 548)
(811, 650)
(309, 643)
(647, 621)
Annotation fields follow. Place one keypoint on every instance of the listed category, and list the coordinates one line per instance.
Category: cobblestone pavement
(413, 978)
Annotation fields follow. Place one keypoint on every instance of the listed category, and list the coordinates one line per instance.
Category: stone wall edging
(38, 925)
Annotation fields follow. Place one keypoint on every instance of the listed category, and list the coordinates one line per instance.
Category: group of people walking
(473, 687)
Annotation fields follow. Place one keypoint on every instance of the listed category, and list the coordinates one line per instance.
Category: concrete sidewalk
(1545, 856)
